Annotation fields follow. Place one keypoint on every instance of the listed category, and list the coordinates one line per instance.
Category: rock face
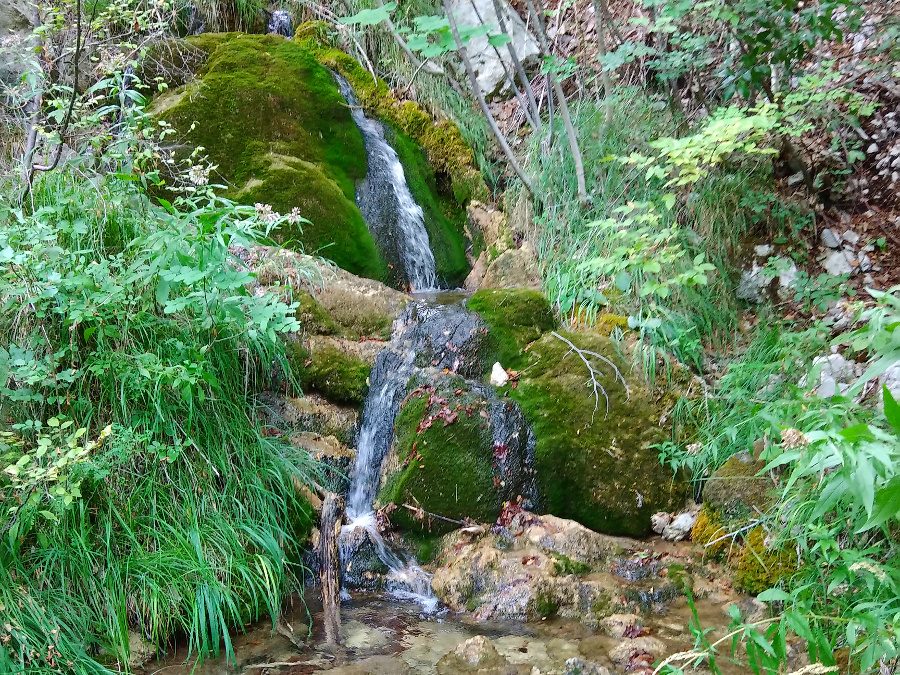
(536, 567)
(489, 67)
(15, 29)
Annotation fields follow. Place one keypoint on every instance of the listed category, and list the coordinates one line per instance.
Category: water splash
(386, 203)
(280, 23)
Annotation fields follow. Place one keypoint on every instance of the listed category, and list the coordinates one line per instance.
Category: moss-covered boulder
(736, 491)
(595, 459)
(515, 318)
(445, 460)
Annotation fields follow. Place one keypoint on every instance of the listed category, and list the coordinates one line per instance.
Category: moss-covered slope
(514, 318)
(270, 116)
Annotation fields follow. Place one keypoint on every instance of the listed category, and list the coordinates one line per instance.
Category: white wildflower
(265, 213)
(294, 216)
(872, 568)
(694, 448)
(198, 175)
(791, 439)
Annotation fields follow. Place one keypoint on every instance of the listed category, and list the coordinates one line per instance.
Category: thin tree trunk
(330, 564)
(600, 27)
(563, 108)
(531, 111)
(473, 82)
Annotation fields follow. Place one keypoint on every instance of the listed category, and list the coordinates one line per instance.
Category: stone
(865, 263)
(836, 264)
(499, 376)
(514, 268)
(579, 666)
(15, 36)
(616, 625)
(681, 525)
(627, 651)
(476, 274)
(787, 277)
(659, 521)
(850, 237)
(735, 490)
(475, 655)
(490, 224)
(752, 285)
(890, 378)
(763, 250)
(140, 651)
(829, 238)
(487, 62)
(836, 374)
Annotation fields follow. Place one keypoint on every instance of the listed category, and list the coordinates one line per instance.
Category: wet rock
(618, 625)
(459, 452)
(626, 653)
(313, 413)
(475, 655)
(830, 239)
(489, 223)
(335, 457)
(836, 264)
(444, 337)
(499, 376)
(579, 666)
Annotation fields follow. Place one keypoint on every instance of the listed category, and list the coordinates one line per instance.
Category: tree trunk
(476, 90)
(520, 70)
(600, 27)
(330, 566)
(563, 108)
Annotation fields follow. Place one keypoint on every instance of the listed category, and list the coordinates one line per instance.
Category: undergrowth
(129, 324)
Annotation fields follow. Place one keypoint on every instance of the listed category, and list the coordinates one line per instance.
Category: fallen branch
(598, 388)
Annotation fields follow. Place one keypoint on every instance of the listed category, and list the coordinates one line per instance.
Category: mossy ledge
(514, 319)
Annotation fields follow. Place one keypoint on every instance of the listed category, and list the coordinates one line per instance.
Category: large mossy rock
(595, 464)
(458, 452)
(269, 114)
(515, 318)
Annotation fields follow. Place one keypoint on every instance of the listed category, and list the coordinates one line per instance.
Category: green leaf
(773, 595)
(887, 505)
(499, 40)
(370, 17)
(891, 408)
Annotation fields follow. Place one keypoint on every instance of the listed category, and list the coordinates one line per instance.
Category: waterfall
(386, 203)
(280, 23)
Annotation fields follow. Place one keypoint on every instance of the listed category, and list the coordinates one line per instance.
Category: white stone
(787, 277)
(836, 264)
(865, 263)
(488, 68)
(829, 238)
(752, 285)
(763, 250)
(890, 379)
(851, 237)
(659, 521)
(499, 376)
(680, 527)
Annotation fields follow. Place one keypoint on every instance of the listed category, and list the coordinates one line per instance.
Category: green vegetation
(446, 460)
(272, 121)
(515, 318)
(340, 377)
(577, 460)
(125, 323)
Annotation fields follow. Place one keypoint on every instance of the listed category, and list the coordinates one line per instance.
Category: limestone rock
(476, 274)
(836, 264)
(499, 376)
(752, 285)
(475, 655)
(617, 625)
(681, 525)
(490, 224)
(659, 521)
(579, 666)
(488, 67)
(835, 374)
(830, 239)
(514, 268)
(627, 651)
(15, 34)
(314, 413)
(890, 379)
(763, 250)
(140, 651)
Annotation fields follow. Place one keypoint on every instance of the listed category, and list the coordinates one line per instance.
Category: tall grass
(186, 523)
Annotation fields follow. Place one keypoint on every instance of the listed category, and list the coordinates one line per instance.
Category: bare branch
(597, 388)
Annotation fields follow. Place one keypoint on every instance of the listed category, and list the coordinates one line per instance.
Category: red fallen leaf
(529, 560)
(634, 631)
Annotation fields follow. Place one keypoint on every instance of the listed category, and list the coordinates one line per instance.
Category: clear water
(387, 204)
(280, 23)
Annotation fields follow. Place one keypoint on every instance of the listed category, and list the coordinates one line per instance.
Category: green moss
(444, 219)
(758, 568)
(594, 466)
(426, 545)
(514, 318)
(563, 565)
(446, 458)
(271, 118)
(544, 605)
(736, 491)
(707, 529)
(314, 318)
(340, 377)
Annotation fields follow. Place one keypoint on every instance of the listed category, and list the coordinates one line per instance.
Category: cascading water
(280, 23)
(386, 203)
